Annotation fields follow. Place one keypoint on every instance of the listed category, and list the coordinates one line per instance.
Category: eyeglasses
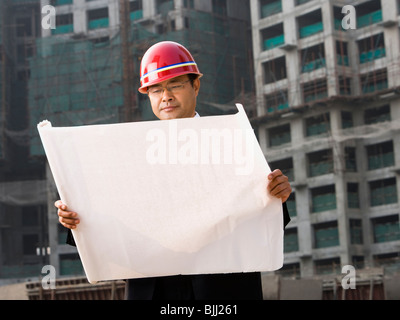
(173, 88)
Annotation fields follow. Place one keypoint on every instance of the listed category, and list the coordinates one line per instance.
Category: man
(171, 79)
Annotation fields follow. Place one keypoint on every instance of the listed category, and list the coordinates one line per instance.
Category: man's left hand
(278, 185)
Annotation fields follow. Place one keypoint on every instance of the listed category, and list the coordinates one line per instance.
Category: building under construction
(328, 115)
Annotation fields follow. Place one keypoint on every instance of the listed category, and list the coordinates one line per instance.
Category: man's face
(177, 102)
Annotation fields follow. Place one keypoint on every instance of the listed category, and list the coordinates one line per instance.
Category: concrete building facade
(328, 114)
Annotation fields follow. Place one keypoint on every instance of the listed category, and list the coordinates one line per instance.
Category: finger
(279, 188)
(274, 174)
(282, 179)
(68, 225)
(283, 195)
(70, 221)
(60, 205)
(66, 214)
(281, 191)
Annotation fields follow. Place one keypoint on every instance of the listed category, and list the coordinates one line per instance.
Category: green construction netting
(78, 82)
(381, 161)
(20, 271)
(389, 231)
(353, 200)
(372, 55)
(74, 83)
(291, 205)
(328, 237)
(98, 23)
(372, 87)
(279, 139)
(313, 65)
(368, 19)
(383, 195)
(320, 168)
(71, 265)
(291, 243)
(270, 9)
(311, 29)
(274, 42)
(62, 2)
(323, 202)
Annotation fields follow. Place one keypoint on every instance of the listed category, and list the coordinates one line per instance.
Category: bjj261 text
(210, 310)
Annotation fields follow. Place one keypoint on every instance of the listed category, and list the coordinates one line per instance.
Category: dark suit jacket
(232, 286)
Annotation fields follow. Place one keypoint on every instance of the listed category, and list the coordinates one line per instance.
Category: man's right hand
(67, 218)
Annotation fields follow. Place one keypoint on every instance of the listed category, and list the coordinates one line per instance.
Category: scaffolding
(73, 83)
(80, 81)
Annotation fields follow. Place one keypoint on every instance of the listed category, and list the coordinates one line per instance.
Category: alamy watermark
(207, 146)
(49, 18)
(349, 21)
(349, 280)
(49, 279)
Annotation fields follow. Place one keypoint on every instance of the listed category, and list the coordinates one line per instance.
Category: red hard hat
(163, 61)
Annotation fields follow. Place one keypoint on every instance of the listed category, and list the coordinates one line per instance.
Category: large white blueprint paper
(155, 198)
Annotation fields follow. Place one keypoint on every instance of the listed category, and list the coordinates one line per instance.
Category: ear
(196, 86)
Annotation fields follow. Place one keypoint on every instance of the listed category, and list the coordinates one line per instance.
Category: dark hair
(192, 77)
